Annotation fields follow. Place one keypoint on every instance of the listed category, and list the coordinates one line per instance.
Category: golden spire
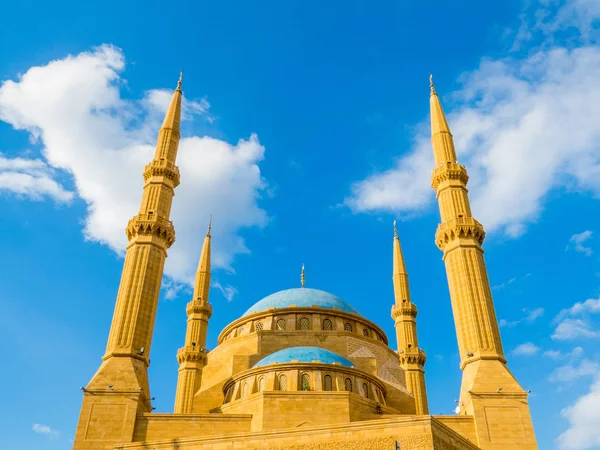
(399, 271)
(202, 286)
(441, 137)
(171, 123)
(302, 276)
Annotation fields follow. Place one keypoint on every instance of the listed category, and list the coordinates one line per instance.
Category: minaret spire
(302, 276)
(192, 356)
(126, 360)
(460, 237)
(404, 313)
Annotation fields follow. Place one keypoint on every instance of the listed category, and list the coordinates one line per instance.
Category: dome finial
(180, 81)
(395, 229)
(431, 85)
(302, 276)
(209, 225)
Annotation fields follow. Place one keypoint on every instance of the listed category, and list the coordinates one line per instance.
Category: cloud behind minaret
(87, 132)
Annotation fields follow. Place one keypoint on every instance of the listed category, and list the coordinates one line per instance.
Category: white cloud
(577, 240)
(570, 372)
(32, 178)
(576, 322)
(577, 352)
(523, 127)
(74, 109)
(584, 422)
(526, 349)
(530, 316)
(44, 429)
(228, 291)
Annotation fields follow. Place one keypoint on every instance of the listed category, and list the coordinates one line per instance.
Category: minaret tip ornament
(395, 229)
(302, 276)
(180, 80)
(431, 85)
(209, 225)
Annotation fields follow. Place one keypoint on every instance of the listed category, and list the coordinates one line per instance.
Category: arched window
(327, 383)
(377, 395)
(280, 324)
(327, 325)
(282, 383)
(228, 394)
(348, 326)
(348, 385)
(258, 326)
(305, 382)
(245, 389)
(304, 323)
(365, 390)
(365, 332)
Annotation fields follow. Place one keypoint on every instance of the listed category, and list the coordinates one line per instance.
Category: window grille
(281, 324)
(348, 384)
(327, 325)
(327, 383)
(259, 326)
(304, 323)
(282, 383)
(365, 332)
(305, 382)
(348, 326)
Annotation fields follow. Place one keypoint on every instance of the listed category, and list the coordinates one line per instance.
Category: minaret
(404, 313)
(489, 391)
(119, 389)
(192, 357)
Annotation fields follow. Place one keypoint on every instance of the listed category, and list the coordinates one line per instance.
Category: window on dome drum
(305, 382)
(304, 323)
(377, 395)
(261, 384)
(348, 326)
(327, 325)
(365, 332)
(281, 383)
(245, 389)
(348, 385)
(280, 324)
(365, 390)
(327, 383)
(258, 326)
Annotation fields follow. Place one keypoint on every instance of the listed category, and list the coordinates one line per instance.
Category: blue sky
(305, 136)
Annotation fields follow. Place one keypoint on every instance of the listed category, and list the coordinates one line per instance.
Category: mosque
(302, 369)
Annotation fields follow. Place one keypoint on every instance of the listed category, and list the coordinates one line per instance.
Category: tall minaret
(192, 357)
(489, 391)
(404, 313)
(119, 389)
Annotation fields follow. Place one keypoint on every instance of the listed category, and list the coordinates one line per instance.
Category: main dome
(303, 355)
(301, 297)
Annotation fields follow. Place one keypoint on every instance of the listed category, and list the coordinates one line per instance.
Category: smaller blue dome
(303, 355)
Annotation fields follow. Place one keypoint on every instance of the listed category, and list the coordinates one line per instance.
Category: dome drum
(294, 319)
(291, 378)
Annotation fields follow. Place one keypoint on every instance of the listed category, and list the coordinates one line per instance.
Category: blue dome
(301, 297)
(303, 355)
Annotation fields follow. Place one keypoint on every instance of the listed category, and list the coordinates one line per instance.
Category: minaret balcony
(459, 228)
(412, 355)
(162, 168)
(151, 225)
(449, 171)
(192, 353)
(406, 309)
(199, 307)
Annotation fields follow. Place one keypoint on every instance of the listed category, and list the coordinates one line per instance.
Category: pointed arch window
(304, 323)
(327, 383)
(280, 324)
(305, 382)
(282, 383)
(348, 385)
(261, 384)
(348, 326)
(258, 326)
(327, 325)
(365, 332)
(245, 389)
(365, 390)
